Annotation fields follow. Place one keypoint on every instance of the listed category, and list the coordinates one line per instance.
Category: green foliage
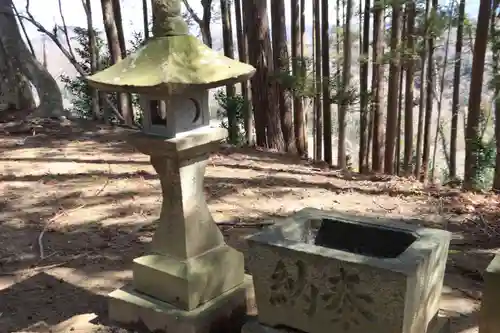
(304, 84)
(79, 90)
(232, 104)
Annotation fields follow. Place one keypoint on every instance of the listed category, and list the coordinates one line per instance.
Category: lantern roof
(171, 61)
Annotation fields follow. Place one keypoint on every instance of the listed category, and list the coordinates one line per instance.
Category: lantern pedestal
(192, 281)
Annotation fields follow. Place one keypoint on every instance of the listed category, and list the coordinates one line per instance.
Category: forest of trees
(396, 74)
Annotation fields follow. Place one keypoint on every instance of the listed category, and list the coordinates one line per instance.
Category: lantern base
(189, 283)
(224, 314)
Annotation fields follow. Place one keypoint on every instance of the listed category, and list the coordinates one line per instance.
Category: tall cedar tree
(298, 106)
(318, 111)
(346, 80)
(423, 84)
(303, 69)
(429, 102)
(363, 85)
(410, 74)
(245, 87)
(476, 87)
(402, 46)
(227, 38)
(282, 64)
(263, 88)
(327, 112)
(392, 98)
(377, 85)
(455, 104)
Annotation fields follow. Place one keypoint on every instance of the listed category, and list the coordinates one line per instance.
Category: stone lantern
(192, 279)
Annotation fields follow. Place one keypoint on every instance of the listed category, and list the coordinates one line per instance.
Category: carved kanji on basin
(354, 275)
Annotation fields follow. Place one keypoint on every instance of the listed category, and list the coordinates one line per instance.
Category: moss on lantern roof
(171, 61)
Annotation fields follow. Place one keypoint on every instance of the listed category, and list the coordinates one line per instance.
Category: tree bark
(93, 58)
(423, 92)
(318, 111)
(298, 106)
(15, 90)
(51, 104)
(245, 87)
(363, 85)
(455, 104)
(429, 102)
(263, 90)
(113, 37)
(392, 98)
(327, 105)
(476, 88)
(227, 39)
(410, 76)
(282, 64)
(145, 19)
(377, 86)
(346, 79)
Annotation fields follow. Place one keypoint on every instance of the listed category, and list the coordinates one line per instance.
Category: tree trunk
(346, 79)
(227, 38)
(392, 98)
(455, 104)
(327, 111)
(423, 84)
(440, 99)
(51, 104)
(363, 85)
(15, 90)
(117, 11)
(263, 89)
(245, 87)
(112, 35)
(400, 93)
(282, 64)
(304, 128)
(495, 49)
(410, 76)
(298, 106)
(377, 86)
(476, 87)
(429, 102)
(145, 19)
(206, 33)
(318, 111)
(93, 58)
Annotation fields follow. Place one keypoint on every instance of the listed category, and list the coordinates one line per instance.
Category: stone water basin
(325, 271)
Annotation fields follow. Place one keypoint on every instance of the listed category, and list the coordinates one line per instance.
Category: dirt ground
(78, 204)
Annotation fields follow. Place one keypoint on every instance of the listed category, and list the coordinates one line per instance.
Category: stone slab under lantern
(327, 271)
(224, 314)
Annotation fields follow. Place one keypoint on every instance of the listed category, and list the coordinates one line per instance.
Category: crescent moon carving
(197, 107)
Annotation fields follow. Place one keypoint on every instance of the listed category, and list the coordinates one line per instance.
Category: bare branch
(21, 23)
(192, 12)
(65, 29)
